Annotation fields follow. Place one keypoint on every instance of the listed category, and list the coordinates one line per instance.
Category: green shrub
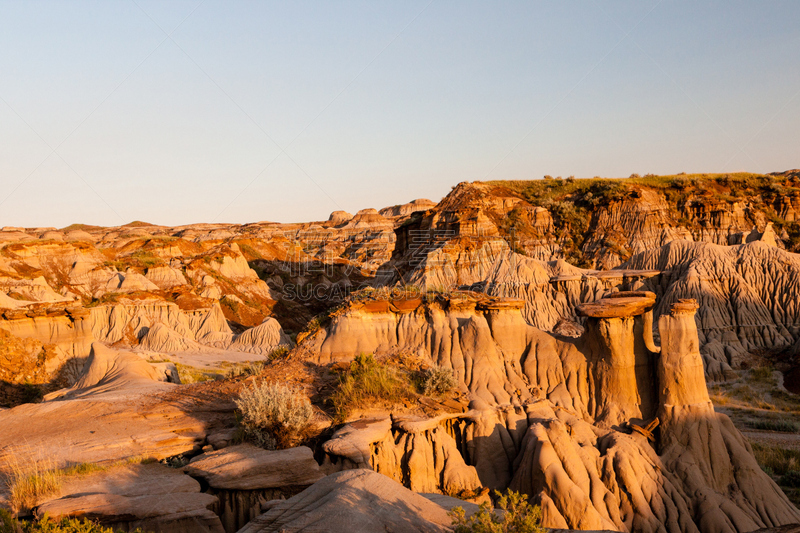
(272, 412)
(519, 517)
(367, 383)
(47, 525)
(763, 375)
(438, 381)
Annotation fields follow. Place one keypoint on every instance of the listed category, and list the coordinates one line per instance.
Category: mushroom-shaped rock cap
(684, 306)
(619, 305)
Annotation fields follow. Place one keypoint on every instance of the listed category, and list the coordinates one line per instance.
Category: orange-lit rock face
(549, 418)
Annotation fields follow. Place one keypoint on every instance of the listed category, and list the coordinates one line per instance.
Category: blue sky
(179, 112)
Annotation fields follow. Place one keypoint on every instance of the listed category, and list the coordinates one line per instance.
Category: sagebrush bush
(368, 382)
(273, 412)
(519, 516)
(438, 380)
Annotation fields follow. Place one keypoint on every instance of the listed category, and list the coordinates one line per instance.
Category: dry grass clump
(30, 481)
(776, 460)
(367, 383)
(783, 465)
(780, 425)
(273, 415)
(751, 396)
(35, 478)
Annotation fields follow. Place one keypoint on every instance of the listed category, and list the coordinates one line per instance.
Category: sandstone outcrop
(404, 210)
(148, 496)
(421, 454)
(354, 500)
(263, 338)
(244, 477)
(245, 467)
(121, 408)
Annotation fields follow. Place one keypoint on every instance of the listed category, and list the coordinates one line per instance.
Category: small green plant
(519, 516)
(278, 353)
(8, 524)
(438, 381)
(273, 413)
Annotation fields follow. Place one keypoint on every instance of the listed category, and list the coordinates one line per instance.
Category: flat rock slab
(152, 496)
(619, 305)
(246, 467)
(352, 501)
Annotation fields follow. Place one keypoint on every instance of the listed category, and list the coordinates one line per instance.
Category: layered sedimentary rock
(606, 432)
(111, 372)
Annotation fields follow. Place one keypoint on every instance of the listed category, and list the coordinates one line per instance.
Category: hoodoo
(621, 365)
(573, 424)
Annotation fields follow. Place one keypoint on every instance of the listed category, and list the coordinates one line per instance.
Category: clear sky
(177, 112)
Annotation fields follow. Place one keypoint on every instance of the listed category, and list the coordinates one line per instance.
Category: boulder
(246, 467)
(354, 500)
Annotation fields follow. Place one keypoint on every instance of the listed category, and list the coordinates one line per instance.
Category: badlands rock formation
(563, 307)
(569, 423)
(244, 478)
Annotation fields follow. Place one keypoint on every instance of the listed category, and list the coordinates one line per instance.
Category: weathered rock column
(681, 379)
(620, 367)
